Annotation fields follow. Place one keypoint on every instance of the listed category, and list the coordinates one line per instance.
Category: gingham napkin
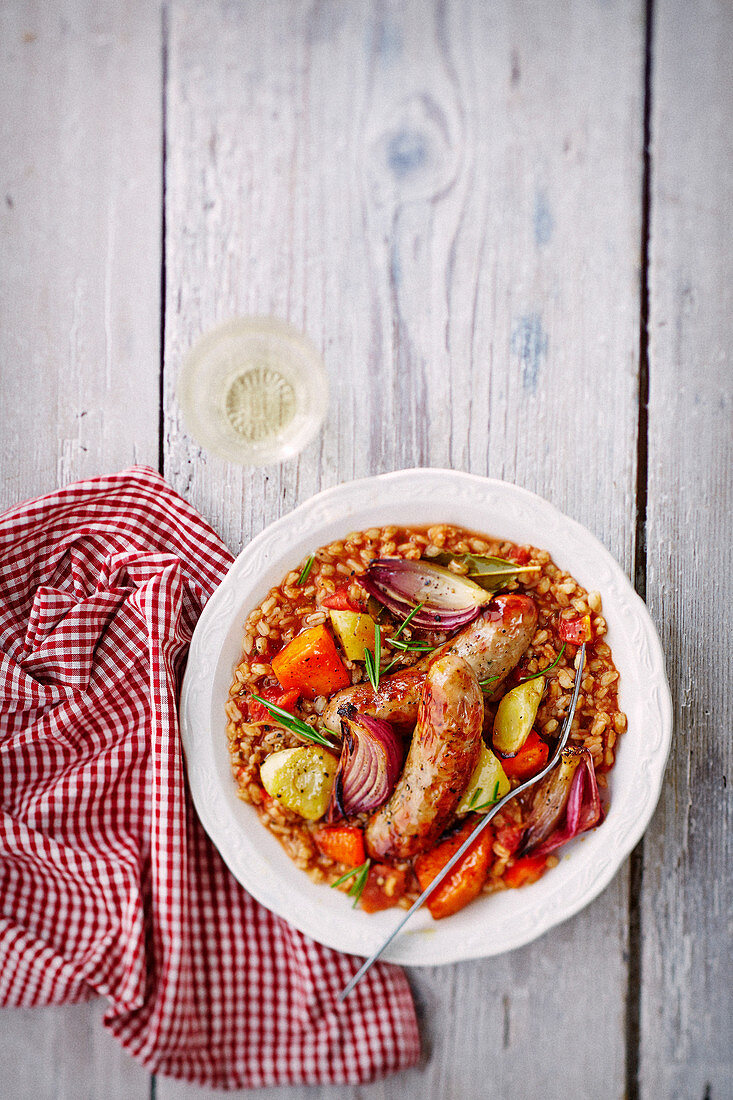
(108, 884)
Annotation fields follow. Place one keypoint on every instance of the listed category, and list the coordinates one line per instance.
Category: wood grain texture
(446, 198)
(80, 211)
(65, 1054)
(687, 1008)
(80, 223)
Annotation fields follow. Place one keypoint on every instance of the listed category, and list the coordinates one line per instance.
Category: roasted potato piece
(300, 779)
(488, 783)
(515, 716)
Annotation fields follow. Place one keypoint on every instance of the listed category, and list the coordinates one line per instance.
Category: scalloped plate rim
(422, 943)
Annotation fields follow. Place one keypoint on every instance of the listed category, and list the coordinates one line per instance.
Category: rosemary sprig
(373, 660)
(357, 887)
(484, 805)
(305, 571)
(295, 725)
(544, 670)
(406, 621)
(491, 679)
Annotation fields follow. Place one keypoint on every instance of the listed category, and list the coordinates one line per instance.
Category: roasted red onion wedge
(449, 600)
(566, 803)
(371, 759)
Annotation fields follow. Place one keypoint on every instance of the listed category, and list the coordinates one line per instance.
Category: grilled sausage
(492, 645)
(441, 758)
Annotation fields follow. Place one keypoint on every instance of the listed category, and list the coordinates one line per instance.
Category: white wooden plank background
(79, 346)
(686, 1010)
(448, 197)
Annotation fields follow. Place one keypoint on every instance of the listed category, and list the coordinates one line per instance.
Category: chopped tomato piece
(575, 631)
(464, 882)
(530, 759)
(311, 663)
(383, 889)
(284, 699)
(344, 843)
(524, 871)
(521, 556)
(341, 600)
(509, 837)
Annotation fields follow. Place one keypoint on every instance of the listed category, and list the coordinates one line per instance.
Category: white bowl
(494, 923)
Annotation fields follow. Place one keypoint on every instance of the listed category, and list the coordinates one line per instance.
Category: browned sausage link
(396, 700)
(442, 756)
(492, 645)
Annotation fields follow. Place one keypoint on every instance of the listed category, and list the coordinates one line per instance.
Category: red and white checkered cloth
(108, 884)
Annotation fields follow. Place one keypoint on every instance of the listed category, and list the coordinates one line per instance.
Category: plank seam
(163, 273)
(636, 862)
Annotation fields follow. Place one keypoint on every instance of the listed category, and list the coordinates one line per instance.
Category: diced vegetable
(284, 699)
(530, 759)
(311, 663)
(371, 758)
(344, 843)
(340, 600)
(509, 836)
(300, 779)
(487, 785)
(384, 887)
(355, 631)
(448, 600)
(524, 871)
(575, 631)
(515, 716)
(464, 882)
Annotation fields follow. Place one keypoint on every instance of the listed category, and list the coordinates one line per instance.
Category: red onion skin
(377, 582)
(370, 764)
(583, 811)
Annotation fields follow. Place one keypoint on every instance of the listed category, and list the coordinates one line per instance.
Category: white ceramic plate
(495, 923)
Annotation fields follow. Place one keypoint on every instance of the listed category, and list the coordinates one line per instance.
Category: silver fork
(562, 742)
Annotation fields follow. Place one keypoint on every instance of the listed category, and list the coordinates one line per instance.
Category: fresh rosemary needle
(406, 621)
(373, 660)
(357, 887)
(484, 805)
(542, 671)
(526, 680)
(295, 725)
(305, 571)
(410, 646)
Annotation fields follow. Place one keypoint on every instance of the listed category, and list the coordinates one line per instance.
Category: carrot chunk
(464, 882)
(524, 871)
(311, 663)
(530, 759)
(344, 843)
